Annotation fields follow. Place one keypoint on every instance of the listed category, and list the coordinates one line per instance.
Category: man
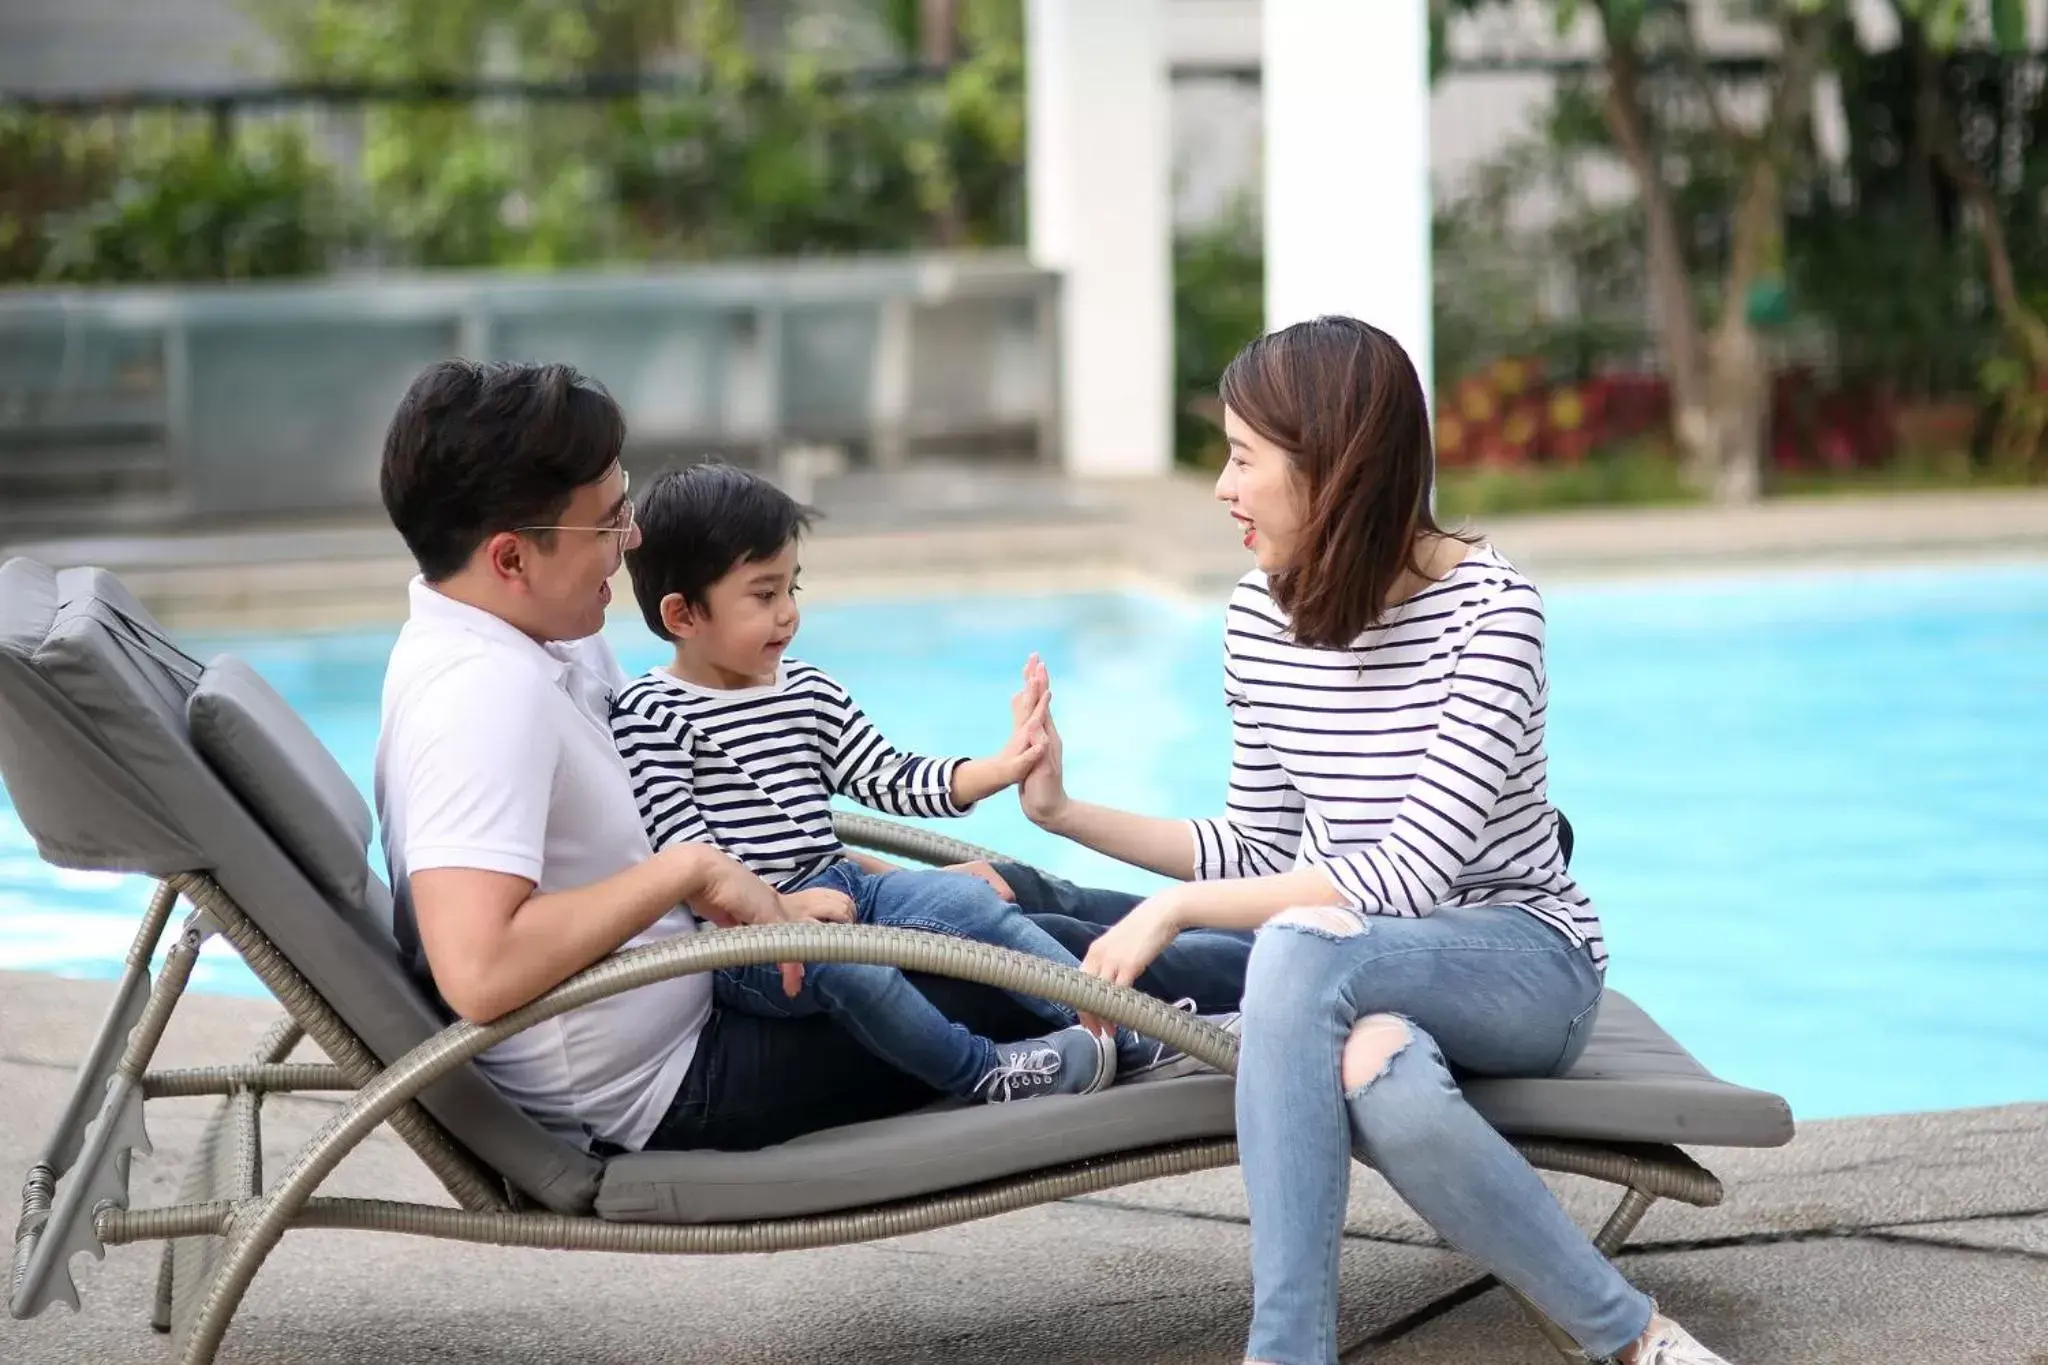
(516, 852)
(509, 827)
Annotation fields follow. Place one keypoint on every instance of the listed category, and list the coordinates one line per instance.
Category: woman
(1389, 835)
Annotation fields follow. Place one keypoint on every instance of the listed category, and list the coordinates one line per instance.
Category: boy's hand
(979, 778)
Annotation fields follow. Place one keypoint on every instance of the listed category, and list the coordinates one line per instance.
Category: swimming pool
(1812, 808)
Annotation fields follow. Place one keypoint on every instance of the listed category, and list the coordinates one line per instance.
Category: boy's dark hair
(477, 448)
(699, 524)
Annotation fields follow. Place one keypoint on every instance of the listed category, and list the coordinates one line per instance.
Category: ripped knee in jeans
(1325, 921)
(1375, 1042)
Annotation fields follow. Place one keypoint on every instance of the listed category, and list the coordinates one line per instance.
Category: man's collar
(434, 608)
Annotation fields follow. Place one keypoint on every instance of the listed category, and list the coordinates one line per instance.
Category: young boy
(735, 744)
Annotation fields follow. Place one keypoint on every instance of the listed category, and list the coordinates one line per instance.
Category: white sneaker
(1669, 1344)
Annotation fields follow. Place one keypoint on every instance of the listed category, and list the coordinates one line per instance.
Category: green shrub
(1219, 282)
(183, 208)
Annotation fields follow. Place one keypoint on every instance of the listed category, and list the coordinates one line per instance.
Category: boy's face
(751, 618)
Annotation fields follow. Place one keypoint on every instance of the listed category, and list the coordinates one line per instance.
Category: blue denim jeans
(878, 1005)
(1481, 991)
(1206, 966)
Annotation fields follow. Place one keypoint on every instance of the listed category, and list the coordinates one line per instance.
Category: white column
(1099, 184)
(1346, 90)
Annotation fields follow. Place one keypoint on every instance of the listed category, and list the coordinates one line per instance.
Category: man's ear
(506, 554)
(679, 618)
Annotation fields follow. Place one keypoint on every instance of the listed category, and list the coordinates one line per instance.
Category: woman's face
(1263, 492)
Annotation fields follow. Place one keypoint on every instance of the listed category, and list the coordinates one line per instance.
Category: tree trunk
(2018, 442)
(1720, 385)
(939, 44)
(1731, 468)
(1669, 274)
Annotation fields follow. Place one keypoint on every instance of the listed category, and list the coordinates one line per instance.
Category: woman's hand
(1043, 791)
(1132, 944)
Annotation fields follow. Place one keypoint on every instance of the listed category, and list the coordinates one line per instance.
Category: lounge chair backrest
(97, 756)
(271, 759)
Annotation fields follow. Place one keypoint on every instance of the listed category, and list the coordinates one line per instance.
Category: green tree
(1935, 29)
(461, 183)
(750, 155)
(1658, 94)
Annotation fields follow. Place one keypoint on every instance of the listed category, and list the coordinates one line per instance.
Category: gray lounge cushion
(272, 759)
(927, 1152)
(1634, 1084)
(100, 757)
(87, 698)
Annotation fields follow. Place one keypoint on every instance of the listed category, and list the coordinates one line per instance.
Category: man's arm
(494, 944)
(474, 763)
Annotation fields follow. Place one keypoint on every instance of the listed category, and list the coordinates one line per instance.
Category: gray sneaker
(1073, 1061)
(1147, 1059)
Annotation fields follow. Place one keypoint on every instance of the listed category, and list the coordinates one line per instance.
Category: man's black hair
(699, 524)
(477, 448)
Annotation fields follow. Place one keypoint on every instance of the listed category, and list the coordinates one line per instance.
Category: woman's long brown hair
(1341, 397)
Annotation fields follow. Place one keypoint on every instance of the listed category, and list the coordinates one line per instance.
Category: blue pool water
(1813, 809)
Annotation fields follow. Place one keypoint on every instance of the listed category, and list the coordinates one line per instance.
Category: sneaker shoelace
(1032, 1070)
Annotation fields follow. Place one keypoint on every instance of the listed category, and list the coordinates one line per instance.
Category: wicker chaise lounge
(122, 754)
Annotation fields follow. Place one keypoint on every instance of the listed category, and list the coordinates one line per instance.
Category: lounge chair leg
(1634, 1204)
(43, 1249)
(160, 1306)
(88, 1093)
(1623, 1220)
(192, 1261)
(472, 1186)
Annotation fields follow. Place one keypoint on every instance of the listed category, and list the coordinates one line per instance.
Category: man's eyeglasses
(619, 523)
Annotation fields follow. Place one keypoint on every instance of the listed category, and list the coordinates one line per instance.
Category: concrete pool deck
(1919, 1239)
(992, 531)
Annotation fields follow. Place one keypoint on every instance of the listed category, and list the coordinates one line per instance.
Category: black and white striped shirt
(1410, 767)
(754, 770)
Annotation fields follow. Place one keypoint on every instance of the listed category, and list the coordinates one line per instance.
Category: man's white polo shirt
(496, 753)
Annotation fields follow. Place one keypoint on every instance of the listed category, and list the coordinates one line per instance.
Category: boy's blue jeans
(878, 1005)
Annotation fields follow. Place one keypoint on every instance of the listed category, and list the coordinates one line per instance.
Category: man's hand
(725, 893)
(1132, 944)
(718, 888)
(820, 904)
(987, 873)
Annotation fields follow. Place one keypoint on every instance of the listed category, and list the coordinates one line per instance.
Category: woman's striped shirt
(1409, 767)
